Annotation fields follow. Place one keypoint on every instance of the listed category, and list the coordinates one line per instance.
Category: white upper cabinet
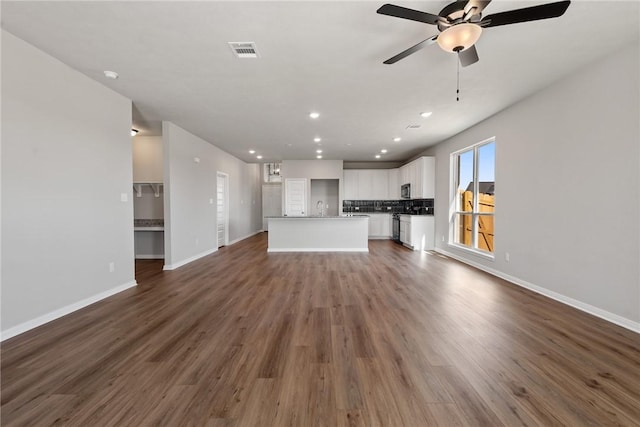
(350, 184)
(394, 184)
(380, 182)
(384, 184)
(420, 173)
(366, 184)
(429, 177)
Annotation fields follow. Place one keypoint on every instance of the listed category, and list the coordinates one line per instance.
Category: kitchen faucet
(320, 207)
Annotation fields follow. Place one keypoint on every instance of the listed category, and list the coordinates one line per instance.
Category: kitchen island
(346, 233)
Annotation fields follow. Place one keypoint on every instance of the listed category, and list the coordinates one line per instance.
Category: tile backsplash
(418, 206)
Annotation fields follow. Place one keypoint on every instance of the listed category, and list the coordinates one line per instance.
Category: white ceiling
(325, 56)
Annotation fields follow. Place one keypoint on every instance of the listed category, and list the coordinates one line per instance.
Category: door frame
(226, 208)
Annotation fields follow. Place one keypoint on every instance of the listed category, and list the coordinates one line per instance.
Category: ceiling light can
(111, 75)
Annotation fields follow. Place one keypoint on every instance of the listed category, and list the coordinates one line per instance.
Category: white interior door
(222, 213)
(295, 192)
(271, 203)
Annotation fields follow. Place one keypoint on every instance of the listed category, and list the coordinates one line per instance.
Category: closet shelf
(155, 186)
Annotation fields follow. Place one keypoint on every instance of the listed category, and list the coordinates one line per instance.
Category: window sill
(481, 254)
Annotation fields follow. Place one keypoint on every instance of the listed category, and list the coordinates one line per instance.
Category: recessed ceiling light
(383, 151)
(318, 151)
(317, 139)
(289, 145)
(258, 157)
(111, 75)
(397, 139)
(377, 156)
(318, 157)
(314, 115)
(252, 151)
(134, 132)
(426, 114)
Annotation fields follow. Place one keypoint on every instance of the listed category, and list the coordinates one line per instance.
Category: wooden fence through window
(486, 203)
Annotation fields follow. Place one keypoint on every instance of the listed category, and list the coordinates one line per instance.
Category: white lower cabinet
(379, 226)
(417, 232)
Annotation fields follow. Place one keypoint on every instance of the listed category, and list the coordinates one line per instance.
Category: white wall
(147, 159)
(312, 169)
(327, 192)
(190, 218)
(148, 167)
(66, 161)
(567, 189)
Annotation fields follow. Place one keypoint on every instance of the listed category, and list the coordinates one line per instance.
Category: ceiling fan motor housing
(453, 14)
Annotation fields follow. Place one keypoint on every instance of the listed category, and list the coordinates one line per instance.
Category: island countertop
(345, 233)
(346, 216)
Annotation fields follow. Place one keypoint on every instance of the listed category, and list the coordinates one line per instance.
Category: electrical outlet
(112, 267)
(123, 197)
(507, 256)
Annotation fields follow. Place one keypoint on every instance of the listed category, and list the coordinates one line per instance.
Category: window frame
(475, 213)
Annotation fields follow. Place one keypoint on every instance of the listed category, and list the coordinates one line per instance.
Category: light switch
(124, 197)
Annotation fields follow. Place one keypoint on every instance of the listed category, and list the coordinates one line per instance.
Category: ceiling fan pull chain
(458, 79)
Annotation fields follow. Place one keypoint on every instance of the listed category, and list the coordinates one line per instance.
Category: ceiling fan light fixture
(459, 37)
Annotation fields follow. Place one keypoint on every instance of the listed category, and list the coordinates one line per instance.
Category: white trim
(318, 250)
(188, 260)
(477, 252)
(587, 308)
(245, 237)
(56, 314)
(150, 256)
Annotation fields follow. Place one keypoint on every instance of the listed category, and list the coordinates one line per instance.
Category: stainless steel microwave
(405, 191)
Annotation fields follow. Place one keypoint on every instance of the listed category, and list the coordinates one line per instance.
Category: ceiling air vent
(413, 127)
(244, 49)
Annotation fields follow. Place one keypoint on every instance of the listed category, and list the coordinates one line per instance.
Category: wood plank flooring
(388, 338)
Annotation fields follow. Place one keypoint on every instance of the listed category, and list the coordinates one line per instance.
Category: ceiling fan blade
(411, 50)
(411, 14)
(534, 13)
(468, 56)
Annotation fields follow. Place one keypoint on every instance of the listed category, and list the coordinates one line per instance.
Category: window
(473, 197)
(272, 172)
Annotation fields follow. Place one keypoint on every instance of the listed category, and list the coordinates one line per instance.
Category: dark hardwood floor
(388, 338)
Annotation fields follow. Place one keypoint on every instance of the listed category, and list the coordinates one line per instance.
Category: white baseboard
(150, 256)
(53, 315)
(188, 260)
(587, 308)
(318, 250)
(245, 237)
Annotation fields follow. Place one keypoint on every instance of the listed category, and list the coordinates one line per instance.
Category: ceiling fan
(460, 24)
